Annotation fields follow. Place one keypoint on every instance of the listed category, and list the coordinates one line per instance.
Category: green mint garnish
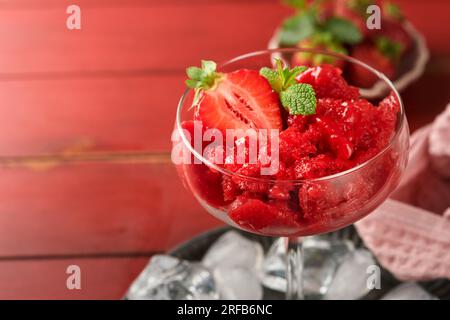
(281, 78)
(392, 10)
(322, 39)
(360, 6)
(203, 78)
(296, 4)
(310, 20)
(297, 98)
(343, 30)
(297, 28)
(273, 78)
(389, 48)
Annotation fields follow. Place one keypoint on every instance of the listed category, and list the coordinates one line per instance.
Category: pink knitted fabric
(411, 242)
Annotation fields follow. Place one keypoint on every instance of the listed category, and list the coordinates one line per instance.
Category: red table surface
(76, 107)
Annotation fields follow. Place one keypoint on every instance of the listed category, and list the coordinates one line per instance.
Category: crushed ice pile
(235, 267)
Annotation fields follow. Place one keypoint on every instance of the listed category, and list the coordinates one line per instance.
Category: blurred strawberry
(319, 42)
(392, 11)
(371, 55)
(355, 11)
(395, 32)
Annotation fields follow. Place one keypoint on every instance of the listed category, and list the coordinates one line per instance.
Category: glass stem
(294, 268)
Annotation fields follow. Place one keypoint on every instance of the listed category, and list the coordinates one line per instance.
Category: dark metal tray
(195, 248)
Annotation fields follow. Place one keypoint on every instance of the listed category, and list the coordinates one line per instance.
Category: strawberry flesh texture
(241, 100)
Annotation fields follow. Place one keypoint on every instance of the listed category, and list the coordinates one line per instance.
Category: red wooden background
(85, 123)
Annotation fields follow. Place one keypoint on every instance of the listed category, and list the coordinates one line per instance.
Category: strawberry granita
(341, 132)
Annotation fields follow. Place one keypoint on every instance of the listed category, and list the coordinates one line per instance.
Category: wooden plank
(88, 114)
(167, 36)
(102, 278)
(86, 208)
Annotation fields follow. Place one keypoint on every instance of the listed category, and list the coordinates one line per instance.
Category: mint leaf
(290, 76)
(296, 4)
(389, 48)
(297, 28)
(360, 6)
(280, 70)
(392, 10)
(299, 98)
(343, 30)
(282, 77)
(273, 77)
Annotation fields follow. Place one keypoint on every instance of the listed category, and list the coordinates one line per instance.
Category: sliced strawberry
(369, 54)
(355, 11)
(241, 99)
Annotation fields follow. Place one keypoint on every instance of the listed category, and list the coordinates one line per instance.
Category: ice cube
(273, 273)
(350, 280)
(233, 250)
(168, 278)
(322, 255)
(238, 283)
(408, 291)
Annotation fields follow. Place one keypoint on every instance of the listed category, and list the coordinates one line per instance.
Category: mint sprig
(203, 78)
(389, 48)
(297, 98)
(343, 30)
(297, 28)
(392, 10)
(311, 19)
(359, 6)
(296, 4)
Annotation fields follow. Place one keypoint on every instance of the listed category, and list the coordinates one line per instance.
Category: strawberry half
(241, 99)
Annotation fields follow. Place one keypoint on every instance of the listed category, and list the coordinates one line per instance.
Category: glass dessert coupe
(318, 204)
